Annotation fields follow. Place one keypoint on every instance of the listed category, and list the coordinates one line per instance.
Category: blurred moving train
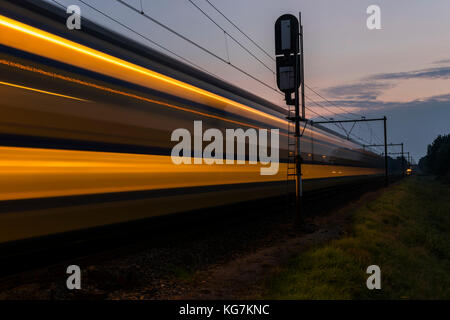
(86, 123)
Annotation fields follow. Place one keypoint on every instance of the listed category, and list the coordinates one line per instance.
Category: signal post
(289, 61)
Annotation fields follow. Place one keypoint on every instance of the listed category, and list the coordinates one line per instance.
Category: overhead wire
(333, 104)
(242, 46)
(240, 30)
(144, 37)
(204, 49)
(271, 57)
(162, 25)
(213, 54)
(231, 37)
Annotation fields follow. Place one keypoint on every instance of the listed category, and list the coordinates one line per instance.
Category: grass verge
(405, 231)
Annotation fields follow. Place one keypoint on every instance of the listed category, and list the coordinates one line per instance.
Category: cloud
(434, 99)
(444, 61)
(366, 90)
(380, 105)
(371, 87)
(430, 73)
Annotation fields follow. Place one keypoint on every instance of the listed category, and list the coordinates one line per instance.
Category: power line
(239, 29)
(377, 139)
(271, 57)
(247, 50)
(368, 126)
(231, 37)
(340, 108)
(143, 36)
(151, 41)
(349, 135)
(338, 125)
(321, 106)
(317, 114)
(249, 38)
(360, 115)
(200, 47)
(162, 25)
(208, 51)
(242, 46)
(155, 43)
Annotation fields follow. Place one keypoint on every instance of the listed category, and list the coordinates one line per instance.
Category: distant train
(86, 123)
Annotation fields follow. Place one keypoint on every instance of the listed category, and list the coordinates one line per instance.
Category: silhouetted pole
(298, 164)
(299, 67)
(302, 65)
(403, 163)
(386, 173)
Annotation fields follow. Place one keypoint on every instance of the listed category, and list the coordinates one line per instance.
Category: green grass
(405, 231)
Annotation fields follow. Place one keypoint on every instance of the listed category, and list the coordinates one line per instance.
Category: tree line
(437, 160)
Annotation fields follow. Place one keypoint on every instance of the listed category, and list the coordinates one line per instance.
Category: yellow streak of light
(35, 173)
(41, 91)
(22, 36)
(134, 96)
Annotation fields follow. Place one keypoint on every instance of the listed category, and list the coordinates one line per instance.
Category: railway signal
(286, 76)
(289, 50)
(286, 35)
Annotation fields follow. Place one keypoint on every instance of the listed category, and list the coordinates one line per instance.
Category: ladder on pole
(291, 167)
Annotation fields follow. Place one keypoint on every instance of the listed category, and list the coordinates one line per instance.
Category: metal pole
(312, 142)
(302, 66)
(386, 173)
(298, 165)
(403, 163)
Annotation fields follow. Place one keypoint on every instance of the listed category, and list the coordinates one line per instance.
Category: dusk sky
(401, 71)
